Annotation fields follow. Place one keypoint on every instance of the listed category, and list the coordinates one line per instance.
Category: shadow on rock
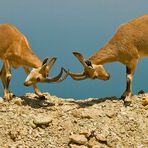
(91, 102)
(36, 102)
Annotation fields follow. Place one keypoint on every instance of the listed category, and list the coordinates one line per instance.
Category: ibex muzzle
(90, 70)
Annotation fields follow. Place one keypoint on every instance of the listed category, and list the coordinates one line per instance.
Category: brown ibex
(128, 46)
(15, 51)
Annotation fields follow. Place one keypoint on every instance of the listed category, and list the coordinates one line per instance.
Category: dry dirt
(27, 122)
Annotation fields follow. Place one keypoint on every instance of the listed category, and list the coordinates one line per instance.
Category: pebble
(145, 101)
(1, 100)
(78, 139)
(18, 101)
(101, 137)
(96, 146)
(86, 133)
(77, 146)
(42, 120)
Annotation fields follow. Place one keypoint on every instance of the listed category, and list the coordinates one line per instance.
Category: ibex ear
(46, 65)
(45, 61)
(80, 58)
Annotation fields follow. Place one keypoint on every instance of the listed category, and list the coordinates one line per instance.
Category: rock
(78, 139)
(145, 101)
(18, 101)
(87, 133)
(13, 135)
(42, 120)
(83, 114)
(102, 134)
(91, 124)
(32, 124)
(97, 146)
(77, 146)
(110, 113)
(1, 100)
(101, 137)
(92, 141)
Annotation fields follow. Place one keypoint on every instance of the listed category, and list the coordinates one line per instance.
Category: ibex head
(40, 74)
(90, 70)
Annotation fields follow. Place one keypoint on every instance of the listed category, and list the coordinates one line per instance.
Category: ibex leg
(6, 77)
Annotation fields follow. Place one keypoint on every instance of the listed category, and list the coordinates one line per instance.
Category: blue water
(58, 27)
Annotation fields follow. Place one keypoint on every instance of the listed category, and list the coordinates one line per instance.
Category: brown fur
(128, 46)
(15, 51)
(129, 42)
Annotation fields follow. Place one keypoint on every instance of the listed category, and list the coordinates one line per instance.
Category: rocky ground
(27, 122)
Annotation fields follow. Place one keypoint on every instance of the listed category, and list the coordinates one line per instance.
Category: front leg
(36, 89)
(37, 92)
(129, 77)
(6, 77)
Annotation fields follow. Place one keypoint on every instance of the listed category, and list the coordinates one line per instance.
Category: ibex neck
(106, 54)
(36, 62)
(32, 60)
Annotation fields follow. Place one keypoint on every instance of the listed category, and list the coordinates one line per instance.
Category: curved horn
(79, 77)
(58, 78)
(80, 57)
(76, 76)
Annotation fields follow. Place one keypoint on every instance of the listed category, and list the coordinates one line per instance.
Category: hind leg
(6, 77)
(129, 77)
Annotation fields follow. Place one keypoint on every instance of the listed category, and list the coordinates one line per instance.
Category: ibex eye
(38, 79)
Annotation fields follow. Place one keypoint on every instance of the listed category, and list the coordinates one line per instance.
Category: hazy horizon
(59, 27)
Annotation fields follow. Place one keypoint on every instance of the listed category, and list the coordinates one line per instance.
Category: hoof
(127, 101)
(9, 96)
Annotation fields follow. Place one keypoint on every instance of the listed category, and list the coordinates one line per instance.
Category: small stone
(77, 146)
(60, 128)
(42, 120)
(110, 114)
(78, 139)
(1, 100)
(32, 125)
(18, 102)
(86, 133)
(145, 101)
(13, 135)
(101, 137)
(96, 146)
(145, 141)
(92, 141)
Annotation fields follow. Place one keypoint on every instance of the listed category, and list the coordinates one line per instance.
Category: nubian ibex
(128, 46)
(15, 51)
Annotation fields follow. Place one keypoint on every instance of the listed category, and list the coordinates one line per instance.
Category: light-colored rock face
(59, 123)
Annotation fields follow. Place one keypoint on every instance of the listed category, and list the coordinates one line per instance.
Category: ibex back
(15, 51)
(128, 46)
